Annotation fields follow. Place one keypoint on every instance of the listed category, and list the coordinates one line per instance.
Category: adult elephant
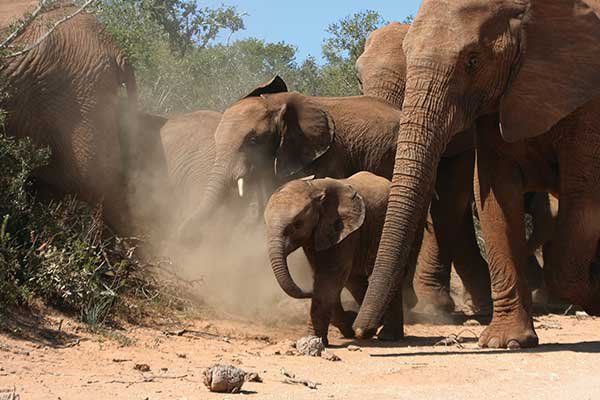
(63, 93)
(505, 59)
(188, 141)
(449, 238)
(272, 136)
(178, 155)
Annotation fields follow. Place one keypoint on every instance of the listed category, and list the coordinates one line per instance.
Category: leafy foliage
(54, 252)
(183, 69)
(60, 251)
(341, 49)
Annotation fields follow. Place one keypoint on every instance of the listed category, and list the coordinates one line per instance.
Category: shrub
(58, 251)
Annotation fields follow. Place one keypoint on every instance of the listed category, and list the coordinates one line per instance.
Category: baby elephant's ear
(342, 212)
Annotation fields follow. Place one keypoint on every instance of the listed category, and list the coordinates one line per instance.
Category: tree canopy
(182, 66)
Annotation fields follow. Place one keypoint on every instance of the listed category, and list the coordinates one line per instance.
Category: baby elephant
(338, 223)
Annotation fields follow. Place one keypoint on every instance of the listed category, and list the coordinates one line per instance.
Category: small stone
(310, 346)
(253, 377)
(581, 315)
(142, 367)
(181, 355)
(472, 322)
(354, 348)
(224, 378)
(330, 356)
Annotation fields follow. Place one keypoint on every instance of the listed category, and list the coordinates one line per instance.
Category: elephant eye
(253, 140)
(472, 62)
(298, 224)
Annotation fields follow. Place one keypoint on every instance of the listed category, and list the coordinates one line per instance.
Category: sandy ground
(71, 363)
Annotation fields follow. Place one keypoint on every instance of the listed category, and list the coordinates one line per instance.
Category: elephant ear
(275, 85)
(560, 68)
(306, 133)
(342, 212)
(151, 122)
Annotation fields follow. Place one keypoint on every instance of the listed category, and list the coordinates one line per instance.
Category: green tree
(189, 25)
(342, 48)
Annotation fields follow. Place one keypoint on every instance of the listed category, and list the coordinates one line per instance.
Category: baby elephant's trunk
(278, 257)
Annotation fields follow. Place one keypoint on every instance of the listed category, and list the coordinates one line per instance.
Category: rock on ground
(224, 378)
(310, 346)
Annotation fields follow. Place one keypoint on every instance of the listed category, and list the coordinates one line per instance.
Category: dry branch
(43, 4)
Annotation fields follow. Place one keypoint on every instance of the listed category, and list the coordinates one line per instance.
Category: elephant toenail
(494, 343)
(513, 345)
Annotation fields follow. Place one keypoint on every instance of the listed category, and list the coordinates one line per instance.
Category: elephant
(64, 94)
(272, 136)
(338, 223)
(449, 238)
(179, 152)
(513, 69)
(563, 162)
(188, 141)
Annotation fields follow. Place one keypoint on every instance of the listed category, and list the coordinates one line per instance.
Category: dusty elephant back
(189, 146)
(11, 10)
(64, 93)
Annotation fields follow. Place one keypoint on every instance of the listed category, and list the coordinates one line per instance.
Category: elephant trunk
(215, 191)
(390, 89)
(425, 132)
(278, 257)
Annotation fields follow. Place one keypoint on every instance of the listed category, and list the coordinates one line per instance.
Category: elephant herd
(485, 106)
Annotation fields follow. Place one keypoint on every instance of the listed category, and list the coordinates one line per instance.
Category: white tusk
(240, 183)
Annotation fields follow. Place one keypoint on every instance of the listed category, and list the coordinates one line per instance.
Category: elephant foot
(593, 308)
(345, 326)
(391, 333)
(511, 331)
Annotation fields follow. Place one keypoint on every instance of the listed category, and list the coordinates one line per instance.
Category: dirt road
(73, 364)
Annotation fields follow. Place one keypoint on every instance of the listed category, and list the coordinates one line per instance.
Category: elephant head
(267, 136)
(381, 68)
(318, 214)
(530, 61)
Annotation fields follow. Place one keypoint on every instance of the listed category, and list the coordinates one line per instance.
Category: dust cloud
(232, 262)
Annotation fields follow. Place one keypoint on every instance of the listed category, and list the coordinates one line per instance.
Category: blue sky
(303, 22)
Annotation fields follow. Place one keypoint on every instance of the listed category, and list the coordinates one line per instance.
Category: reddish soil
(40, 362)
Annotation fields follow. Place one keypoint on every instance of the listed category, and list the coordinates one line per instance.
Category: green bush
(58, 251)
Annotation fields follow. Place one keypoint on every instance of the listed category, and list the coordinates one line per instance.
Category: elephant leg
(499, 193)
(543, 210)
(330, 277)
(472, 268)
(571, 266)
(448, 238)
(393, 321)
(357, 288)
(343, 320)
(432, 275)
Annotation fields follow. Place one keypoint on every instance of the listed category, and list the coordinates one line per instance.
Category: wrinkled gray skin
(449, 238)
(64, 94)
(189, 145)
(177, 162)
(338, 224)
(273, 136)
(511, 62)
